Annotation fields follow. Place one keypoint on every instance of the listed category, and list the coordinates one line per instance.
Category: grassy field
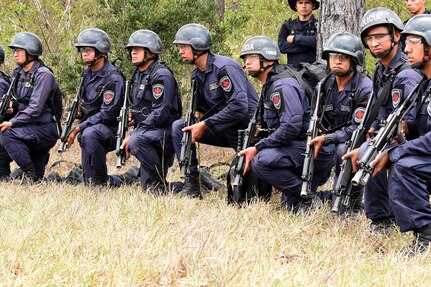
(62, 235)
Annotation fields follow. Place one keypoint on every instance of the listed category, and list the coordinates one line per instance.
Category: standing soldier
(415, 7)
(154, 104)
(226, 98)
(29, 135)
(103, 90)
(344, 98)
(298, 37)
(278, 158)
(393, 79)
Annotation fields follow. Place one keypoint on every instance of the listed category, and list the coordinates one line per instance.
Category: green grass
(62, 235)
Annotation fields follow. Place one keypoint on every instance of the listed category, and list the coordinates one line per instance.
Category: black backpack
(308, 75)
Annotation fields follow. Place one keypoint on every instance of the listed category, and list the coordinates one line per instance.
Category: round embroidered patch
(226, 84)
(276, 100)
(158, 91)
(108, 96)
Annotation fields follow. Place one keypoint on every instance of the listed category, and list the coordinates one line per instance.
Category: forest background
(231, 23)
(64, 235)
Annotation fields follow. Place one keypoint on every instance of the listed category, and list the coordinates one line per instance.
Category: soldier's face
(186, 53)
(415, 6)
(339, 63)
(378, 39)
(137, 54)
(304, 7)
(414, 49)
(87, 54)
(252, 62)
(19, 55)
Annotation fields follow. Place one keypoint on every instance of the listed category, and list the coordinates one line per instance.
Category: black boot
(131, 176)
(191, 186)
(30, 174)
(420, 243)
(156, 185)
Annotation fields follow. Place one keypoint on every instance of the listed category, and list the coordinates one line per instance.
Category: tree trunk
(338, 16)
(221, 4)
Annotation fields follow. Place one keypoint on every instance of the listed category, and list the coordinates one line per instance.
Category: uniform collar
(387, 71)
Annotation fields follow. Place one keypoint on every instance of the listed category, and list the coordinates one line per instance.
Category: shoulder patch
(108, 96)
(276, 100)
(429, 108)
(359, 114)
(396, 97)
(158, 90)
(226, 84)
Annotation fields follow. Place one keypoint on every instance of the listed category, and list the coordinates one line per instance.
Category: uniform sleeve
(305, 41)
(419, 146)
(111, 105)
(358, 111)
(164, 93)
(291, 115)
(43, 85)
(403, 84)
(4, 87)
(232, 83)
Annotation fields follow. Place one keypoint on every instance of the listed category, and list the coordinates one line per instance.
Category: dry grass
(61, 235)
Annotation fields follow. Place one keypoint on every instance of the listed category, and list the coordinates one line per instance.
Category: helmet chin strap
(145, 60)
(196, 56)
(262, 68)
(97, 56)
(425, 59)
(27, 60)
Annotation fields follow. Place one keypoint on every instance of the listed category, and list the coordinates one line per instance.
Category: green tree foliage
(165, 17)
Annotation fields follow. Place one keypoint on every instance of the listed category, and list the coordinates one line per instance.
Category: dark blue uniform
(281, 155)
(340, 114)
(410, 179)
(225, 86)
(155, 105)
(376, 200)
(34, 131)
(102, 100)
(4, 84)
(303, 48)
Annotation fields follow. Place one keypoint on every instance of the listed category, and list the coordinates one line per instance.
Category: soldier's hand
(318, 143)
(72, 135)
(197, 130)
(370, 133)
(198, 115)
(290, 38)
(249, 154)
(380, 163)
(130, 120)
(354, 156)
(10, 108)
(125, 146)
(404, 128)
(5, 126)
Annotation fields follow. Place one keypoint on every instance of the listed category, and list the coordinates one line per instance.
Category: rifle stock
(186, 142)
(70, 118)
(378, 144)
(308, 167)
(122, 128)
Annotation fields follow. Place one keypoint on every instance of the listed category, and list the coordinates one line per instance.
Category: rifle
(70, 118)
(308, 167)
(5, 101)
(378, 145)
(344, 183)
(245, 140)
(186, 142)
(122, 128)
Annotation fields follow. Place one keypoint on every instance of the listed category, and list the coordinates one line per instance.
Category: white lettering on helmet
(247, 47)
(370, 19)
(271, 53)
